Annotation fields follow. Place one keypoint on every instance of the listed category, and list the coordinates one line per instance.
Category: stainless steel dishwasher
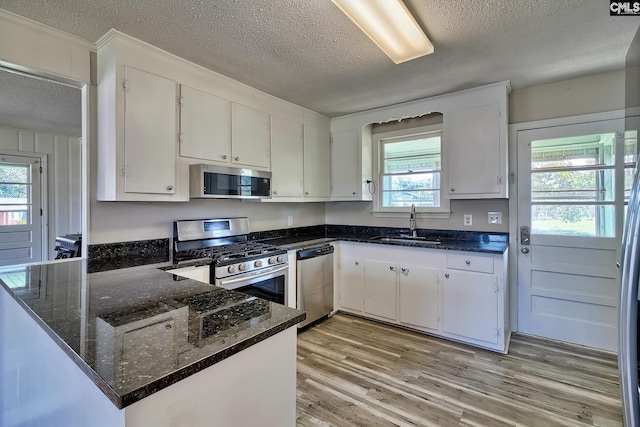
(315, 282)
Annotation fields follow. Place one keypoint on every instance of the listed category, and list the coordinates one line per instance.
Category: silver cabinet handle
(453, 189)
(392, 267)
(405, 271)
(236, 158)
(306, 193)
(224, 157)
(357, 263)
(468, 262)
(446, 275)
(275, 193)
(617, 265)
(524, 250)
(354, 193)
(169, 187)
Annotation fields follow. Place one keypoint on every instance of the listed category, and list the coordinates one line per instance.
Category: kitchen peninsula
(139, 348)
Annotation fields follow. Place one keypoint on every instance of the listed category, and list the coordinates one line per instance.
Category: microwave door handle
(257, 276)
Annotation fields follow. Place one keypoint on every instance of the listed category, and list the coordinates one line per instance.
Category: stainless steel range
(254, 268)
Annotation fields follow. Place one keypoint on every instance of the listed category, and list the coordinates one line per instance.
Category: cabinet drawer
(470, 263)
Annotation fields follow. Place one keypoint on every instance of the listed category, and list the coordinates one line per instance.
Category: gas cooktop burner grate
(233, 251)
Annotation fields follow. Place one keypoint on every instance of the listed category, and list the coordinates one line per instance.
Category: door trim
(513, 188)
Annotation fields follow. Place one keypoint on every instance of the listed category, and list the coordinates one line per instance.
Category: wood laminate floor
(353, 371)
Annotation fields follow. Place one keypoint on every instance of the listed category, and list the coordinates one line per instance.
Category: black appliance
(68, 246)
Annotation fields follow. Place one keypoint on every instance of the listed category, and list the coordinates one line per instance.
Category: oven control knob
(280, 258)
(258, 263)
(231, 269)
(242, 267)
(272, 260)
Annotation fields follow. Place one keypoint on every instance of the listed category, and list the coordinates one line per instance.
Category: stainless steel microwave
(221, 182)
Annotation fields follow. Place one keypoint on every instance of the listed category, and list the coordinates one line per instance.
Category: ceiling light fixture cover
(390, 25)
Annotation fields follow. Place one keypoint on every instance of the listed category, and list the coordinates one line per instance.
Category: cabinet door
(380, 289)
(317, 162)
(205, 126)
(150, 123)
(470, 305)
(352, 284)
(250, 137)
(419, 299)
(345, 164)
(286, 158)
(474, 157)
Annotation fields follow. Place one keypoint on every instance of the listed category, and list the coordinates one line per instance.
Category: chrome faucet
(412, 221)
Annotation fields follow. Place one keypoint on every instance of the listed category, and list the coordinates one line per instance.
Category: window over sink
(409, 169)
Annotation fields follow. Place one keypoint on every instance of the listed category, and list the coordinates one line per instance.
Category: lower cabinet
(456, 295)
(418, 293)
(352, 284)
(470, 305)
(380, 289)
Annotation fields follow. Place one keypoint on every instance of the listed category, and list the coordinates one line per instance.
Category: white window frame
(444, 211)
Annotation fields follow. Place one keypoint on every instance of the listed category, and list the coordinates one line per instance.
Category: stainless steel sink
(406, 238)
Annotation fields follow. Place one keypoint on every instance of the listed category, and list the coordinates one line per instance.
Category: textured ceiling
(309, 53)
(30, 103)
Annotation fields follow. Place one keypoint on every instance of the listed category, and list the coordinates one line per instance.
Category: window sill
(396, 214)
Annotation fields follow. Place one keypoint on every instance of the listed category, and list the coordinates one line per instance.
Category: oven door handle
(246, 278)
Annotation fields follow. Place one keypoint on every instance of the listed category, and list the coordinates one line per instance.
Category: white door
(20, 210)
(571, 182)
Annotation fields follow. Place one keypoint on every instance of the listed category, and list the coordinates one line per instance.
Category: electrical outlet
(468, 219)
(494, 217)
(290, 220)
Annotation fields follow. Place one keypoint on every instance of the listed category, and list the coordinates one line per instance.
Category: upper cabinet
(137, 130)
(317, 163)
(475, 125)
(476, 145)
(205, 126)
(351, 164)
(158, 113)
(287, 159)
(250, 137)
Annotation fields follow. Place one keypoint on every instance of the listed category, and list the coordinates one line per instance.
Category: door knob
(524, 250)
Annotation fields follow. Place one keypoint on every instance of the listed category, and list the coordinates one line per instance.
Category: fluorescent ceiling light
(390, 25)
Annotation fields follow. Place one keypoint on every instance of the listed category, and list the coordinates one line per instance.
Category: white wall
(127, 221)
(359, 213)
(584, 95)
(64, 176)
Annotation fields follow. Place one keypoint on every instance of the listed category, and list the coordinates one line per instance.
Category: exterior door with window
(570, 213)
(20, 210)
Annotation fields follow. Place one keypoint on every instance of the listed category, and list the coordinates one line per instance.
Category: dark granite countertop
(88, 315)
(467, 241)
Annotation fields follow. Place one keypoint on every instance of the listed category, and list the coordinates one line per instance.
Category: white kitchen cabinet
(456, 295)
(351, 164)
(287, 159)
(317, 163)
(470, 305)
(250, 137)
(477, 153)
(418, 297)
(352, 284)
(205, 126)
(137, 131)
(195, 272)
(380, 289)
